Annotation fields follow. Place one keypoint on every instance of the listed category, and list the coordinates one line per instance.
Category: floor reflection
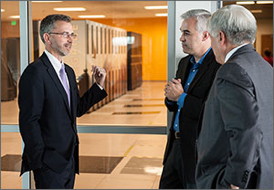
(126, 161)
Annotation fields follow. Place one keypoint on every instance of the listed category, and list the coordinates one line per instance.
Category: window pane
(136, 61)
(10, 60)
(120, 161)
(10, 71)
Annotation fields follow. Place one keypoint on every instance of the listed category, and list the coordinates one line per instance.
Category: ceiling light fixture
(46, 1)
(256, 11)
(245, 2)
(264, 2)
(2, 10)
(15, 16)
(91, 16)
(70, 9)
(161, 14)
(155, 7)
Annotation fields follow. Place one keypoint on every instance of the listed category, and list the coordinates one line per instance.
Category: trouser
(46, 178)
(173, 171)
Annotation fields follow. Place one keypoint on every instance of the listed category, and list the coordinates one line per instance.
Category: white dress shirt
(230, 53)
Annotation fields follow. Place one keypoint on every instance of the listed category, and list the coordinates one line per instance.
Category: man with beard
(49, 103)
(185, 96)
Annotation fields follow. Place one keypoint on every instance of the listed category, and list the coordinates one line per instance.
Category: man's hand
(99, 75)
(234, 187)
(174, 89)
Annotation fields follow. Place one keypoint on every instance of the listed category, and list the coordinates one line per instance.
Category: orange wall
(154, 41)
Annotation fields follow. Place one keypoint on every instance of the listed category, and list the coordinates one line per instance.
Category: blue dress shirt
(193, 71)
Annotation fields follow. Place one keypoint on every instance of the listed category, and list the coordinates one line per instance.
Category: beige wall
(264, 27)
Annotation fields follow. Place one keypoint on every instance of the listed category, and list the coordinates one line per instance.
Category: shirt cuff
(181, 100)
(169, 102)
(99, 86)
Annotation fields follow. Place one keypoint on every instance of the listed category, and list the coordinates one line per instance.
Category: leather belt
(177, 135)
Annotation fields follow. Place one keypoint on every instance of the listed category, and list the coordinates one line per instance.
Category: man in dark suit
(185, 96)
(235, 146)
(49, 103)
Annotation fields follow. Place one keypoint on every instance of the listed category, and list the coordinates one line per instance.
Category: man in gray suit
(235, 146)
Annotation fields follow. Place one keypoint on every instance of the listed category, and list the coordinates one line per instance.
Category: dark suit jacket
(235, 145)
(190, 113)
(47, 124)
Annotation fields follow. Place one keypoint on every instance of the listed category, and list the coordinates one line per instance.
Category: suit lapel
(56, 80)
(202, 70)
(183, 70)
(73, 94)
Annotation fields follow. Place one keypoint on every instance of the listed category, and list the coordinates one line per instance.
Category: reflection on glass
(10, 72)
(136, 71)
(120, 161)
(10, 55)
(11, 161)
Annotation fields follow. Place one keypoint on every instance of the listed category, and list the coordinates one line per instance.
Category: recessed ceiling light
(264, 2)
(245, 2)
(155, 7)
(2, 10)
(256, 11)
(15, 16)
(70, 9)
(91, 16)
(161, 14)
(46, 1)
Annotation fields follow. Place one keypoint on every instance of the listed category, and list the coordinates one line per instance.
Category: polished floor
(107, 161)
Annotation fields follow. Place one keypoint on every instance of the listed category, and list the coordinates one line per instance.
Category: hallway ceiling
(267, 9)
(112, 9)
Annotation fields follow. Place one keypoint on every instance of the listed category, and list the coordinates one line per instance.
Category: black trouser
(46, 178)
(173, 172)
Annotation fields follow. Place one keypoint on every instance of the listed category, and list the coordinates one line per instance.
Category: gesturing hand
(99, 75)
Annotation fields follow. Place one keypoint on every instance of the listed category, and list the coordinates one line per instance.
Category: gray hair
(238, 24)
(47, 24)
(201, 15)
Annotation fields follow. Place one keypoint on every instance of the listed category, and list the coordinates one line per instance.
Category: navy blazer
(47, 123)
(192, 109)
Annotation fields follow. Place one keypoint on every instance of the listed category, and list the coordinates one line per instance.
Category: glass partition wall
(11, 144)
(123, 137)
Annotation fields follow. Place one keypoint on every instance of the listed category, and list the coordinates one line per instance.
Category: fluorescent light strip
(91, 16)
(264, 2)
(155, 7)
(46, 1)
(256, 11)
(161, 14)
(15, 16)
(69, 9)
(2, 10)
(245, 2)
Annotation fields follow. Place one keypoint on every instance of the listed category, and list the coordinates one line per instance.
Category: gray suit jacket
(235, 145)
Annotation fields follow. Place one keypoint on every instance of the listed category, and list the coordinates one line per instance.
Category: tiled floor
(141, 155)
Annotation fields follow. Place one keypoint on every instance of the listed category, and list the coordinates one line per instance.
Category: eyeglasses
(65, 34)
